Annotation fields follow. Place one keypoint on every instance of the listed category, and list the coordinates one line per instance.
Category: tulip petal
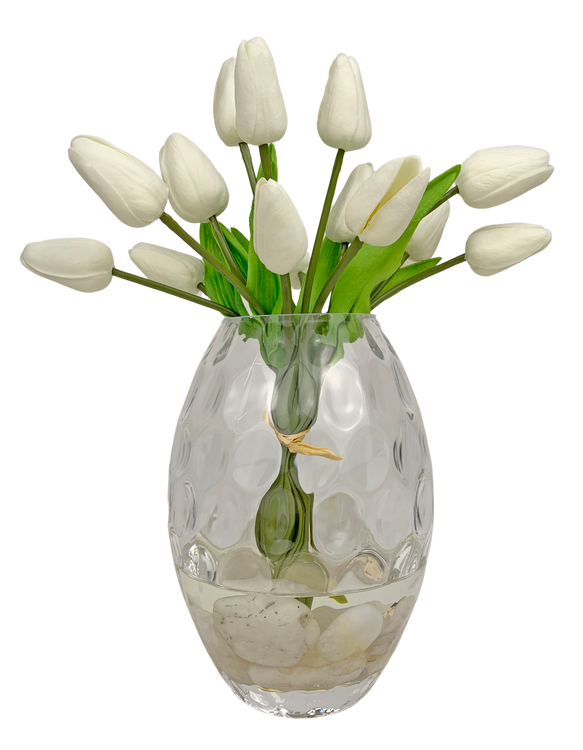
(169, 267)
(367, 198)
(336, 227)
(224, 110)
(260, 110)
(428, 234)
(197, 190)
(343, 118)
(128, 187)
(495, 248)
(279, 235)
(392, 217)
(493, 176)
(77, 262)
(382, 207)
(301, 268)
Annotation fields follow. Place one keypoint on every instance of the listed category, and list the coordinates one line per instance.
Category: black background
(98, 380)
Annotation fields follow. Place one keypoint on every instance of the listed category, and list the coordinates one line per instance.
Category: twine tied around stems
(295, 443)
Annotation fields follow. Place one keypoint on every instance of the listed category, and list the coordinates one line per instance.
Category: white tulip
(427, 236)
(224, 110)
(301, 268)
(493, 176)
(336, 228)
(81, 264)
(492, 249)
(261, 115)
(127, 186)
(197, 190)
(169, 267)
(343, 119)
(382, 207)
(279, 235)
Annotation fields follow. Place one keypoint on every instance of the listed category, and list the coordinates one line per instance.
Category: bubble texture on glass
(372, 511)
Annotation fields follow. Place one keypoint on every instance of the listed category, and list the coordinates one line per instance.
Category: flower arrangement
(376, 239)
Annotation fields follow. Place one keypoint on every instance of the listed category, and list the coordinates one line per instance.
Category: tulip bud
(427, 236)
(343, 119)
(279, 235)
(84, 265)
(299, 271)
(493, 176)
(336, 228)
(224, 110)
(169, 267)
(382, 207)
(197, 190)
(492, 249)
(127, 186)
(261, 115)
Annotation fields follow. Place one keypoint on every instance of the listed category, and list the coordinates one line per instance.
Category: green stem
(378, 288)
(337, 273)
(343, 249)
(420, 276)
(248, 161)
(265, 161)
(286, 293)
(212, 261)
(307, 298)
(223, 244)
(450, 193)
(175, 292)
(202, 288)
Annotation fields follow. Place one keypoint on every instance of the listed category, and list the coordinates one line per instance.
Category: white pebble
(266, 630)
(223, 656)
(352, 631)
(307, 677)
(394, 621)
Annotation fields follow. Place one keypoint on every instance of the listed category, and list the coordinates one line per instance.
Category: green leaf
(407, 272)
(357, 278)
(374, 264)
(327, 260)
(240, 237)
(218, 288)
(238, 251)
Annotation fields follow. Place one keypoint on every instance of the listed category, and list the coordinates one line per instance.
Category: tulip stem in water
(226, 250)
(212, 261)
(309, 281)
(248, 161)
(175, 292)
(353, 248)
(420, 276)
(265, 161)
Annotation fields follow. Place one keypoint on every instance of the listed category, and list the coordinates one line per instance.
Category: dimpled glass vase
(301, 508)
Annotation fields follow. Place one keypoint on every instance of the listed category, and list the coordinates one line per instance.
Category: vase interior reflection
(300, 570)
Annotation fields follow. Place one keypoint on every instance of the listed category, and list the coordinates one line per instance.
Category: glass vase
(300, 508)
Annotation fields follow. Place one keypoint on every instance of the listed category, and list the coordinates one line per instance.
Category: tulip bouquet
(376, 239)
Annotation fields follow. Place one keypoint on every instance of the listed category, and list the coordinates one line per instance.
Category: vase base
(300, 704)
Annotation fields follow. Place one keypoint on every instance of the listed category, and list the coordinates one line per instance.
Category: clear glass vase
(301, 508)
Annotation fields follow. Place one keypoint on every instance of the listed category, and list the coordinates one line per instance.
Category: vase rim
(302, 316)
